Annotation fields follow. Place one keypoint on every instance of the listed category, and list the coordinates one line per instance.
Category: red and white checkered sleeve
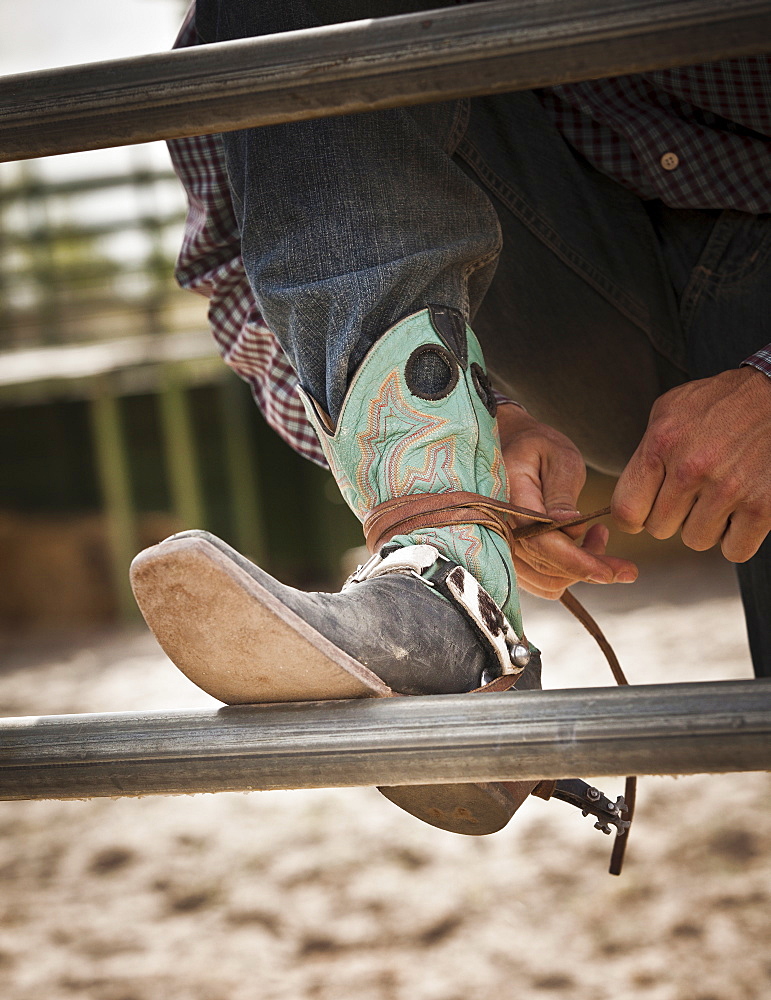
(210, 264)
(761, 360)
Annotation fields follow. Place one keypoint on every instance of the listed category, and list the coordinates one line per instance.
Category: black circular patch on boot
(431, 372)
(484, 388)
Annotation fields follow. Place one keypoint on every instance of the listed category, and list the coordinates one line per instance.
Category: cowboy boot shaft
(419, 417)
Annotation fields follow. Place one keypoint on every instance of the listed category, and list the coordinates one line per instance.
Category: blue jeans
(588, 302)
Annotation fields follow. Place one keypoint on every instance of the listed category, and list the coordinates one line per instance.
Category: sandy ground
(336, 894)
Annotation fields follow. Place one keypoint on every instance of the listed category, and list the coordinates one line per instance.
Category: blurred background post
(119, 423)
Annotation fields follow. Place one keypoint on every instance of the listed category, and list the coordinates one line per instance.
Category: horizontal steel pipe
(657, 729)
(475, 49)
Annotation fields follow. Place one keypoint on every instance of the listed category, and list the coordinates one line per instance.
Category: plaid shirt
(696, 137)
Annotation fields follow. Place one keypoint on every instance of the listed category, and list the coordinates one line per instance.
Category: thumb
(523, 471)
(545, 471)
(561, 482)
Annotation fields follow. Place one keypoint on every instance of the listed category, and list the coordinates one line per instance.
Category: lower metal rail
(658, 729)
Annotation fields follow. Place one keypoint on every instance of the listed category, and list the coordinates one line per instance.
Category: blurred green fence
(114, 404)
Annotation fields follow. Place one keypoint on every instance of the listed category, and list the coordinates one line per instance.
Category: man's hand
(546, 473)
(704, 466)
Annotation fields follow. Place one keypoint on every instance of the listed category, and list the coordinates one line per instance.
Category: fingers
(544, 468)
(562, 479)
(637, 489)
(546, 473)
(546, 565)
(669, 510)
(704, 466)
(525, 491)
(706, 522)
(746, 532)
(572, 531)
(596, 539)
(707, 514)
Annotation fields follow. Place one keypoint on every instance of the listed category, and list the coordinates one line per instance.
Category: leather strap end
(619, 846)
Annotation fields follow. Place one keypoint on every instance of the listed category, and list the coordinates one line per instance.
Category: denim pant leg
(720, 264)
(579, 324)
(350, 223)
(600, 303)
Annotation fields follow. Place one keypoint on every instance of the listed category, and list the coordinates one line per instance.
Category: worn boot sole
(232, 637)
(238, 642)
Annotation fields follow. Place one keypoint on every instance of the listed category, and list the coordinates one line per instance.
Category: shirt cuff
(761, 360)
(502, 400)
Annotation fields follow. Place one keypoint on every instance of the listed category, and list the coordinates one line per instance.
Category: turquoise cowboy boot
(419, 417)
(432, 612)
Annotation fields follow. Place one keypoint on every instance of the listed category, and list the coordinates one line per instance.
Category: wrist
(760, 360)
(512, 419)
(756, 372)
(502, 400)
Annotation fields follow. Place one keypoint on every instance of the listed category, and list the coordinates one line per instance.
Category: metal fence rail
(484, 48)
(435, 55)
(657, 729)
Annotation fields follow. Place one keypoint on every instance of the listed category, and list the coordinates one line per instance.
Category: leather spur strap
(405, 515)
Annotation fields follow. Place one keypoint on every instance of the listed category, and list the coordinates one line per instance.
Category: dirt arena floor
(337, 895)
